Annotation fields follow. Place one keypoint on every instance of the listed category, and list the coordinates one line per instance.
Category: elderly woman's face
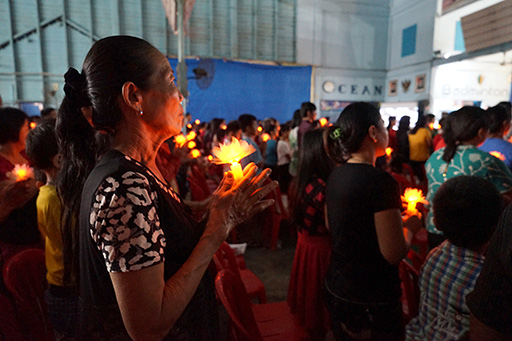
(162, 103)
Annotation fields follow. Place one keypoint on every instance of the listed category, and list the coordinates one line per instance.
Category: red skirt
(305, 292)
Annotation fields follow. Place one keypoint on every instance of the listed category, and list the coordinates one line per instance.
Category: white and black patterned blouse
(129, 220)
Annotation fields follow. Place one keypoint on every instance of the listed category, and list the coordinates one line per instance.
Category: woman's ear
(372, 132)
(482, 133)
(132, 96)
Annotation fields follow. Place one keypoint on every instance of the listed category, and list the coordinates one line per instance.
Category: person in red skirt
(313, 251)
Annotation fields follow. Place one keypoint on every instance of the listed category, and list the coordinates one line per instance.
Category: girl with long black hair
(362, 287)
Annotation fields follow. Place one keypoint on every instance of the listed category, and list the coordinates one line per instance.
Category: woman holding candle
(143, 258)
(18, 214)
(313, 249)
(363, 214)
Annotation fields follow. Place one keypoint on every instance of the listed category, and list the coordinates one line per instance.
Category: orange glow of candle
(180, 140)
(195, 153)
(191, 144)
(191, 135)
(223, 127)
(323, 122)
(431, 126)
(260, 129)
(498, 155)
(232, 153)
(210, 158)
(33, 125)
(21, 173)
(265, 137)
(197, 122)
(189, 126)
(389, 150)
(411, 197)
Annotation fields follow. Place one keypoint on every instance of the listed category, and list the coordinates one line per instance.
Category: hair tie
(336, 134)
(74, 87)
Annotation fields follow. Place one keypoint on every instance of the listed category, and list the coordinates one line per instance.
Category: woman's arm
(149, 306)
(390, 235)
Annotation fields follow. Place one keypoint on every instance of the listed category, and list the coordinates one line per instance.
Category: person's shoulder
(47, 195)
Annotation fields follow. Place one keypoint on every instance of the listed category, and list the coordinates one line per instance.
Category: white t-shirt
(284, 153)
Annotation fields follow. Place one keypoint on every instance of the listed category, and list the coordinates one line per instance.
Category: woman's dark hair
(11, 121)
(347, 135)
(402, 139)
(313, 162)
(42, 145)
(233, 126)
(297, 118)
(495, 117)
(467, 210)
(305, 108)
(110, 63)
(421, 123)
(461, 126)
(246, 121)
(391, 119)
(286, 127)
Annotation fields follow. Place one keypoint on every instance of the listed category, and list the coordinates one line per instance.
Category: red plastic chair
(410, 291)
(225, 259)
(271, 321)
(25, 278)
(10, 328)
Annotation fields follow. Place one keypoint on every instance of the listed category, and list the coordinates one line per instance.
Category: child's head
(466, 210)
(42, 145)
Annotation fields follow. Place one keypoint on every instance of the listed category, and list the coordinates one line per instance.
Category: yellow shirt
(419, 145)
(48, 220)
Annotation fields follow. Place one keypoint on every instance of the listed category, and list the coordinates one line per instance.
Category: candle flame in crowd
(260, 129)
(195, 153)
(389, 151)
(197, 122)
(411, 197)
(323, 122)
(265, 137)
(180, 140)
(223, 127)
(498, 155)
(210, 158)
(33, 125)
(189, 126)
(191, 144)
(431, 126)
(21, 173)
(191, 135)
(232, 153)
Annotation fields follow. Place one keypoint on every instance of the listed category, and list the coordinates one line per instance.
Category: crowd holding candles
(130, 237)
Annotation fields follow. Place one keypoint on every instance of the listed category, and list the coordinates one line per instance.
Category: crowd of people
(130, 211)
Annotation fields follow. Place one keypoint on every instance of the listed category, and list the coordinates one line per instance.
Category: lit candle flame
(431, 126)
(197, 122)
(189, 126)
(210, 158)
(498, 155)
(21, 173)
(265, 137)
(411, 197)
(389, 151)
(33, 125)
(223, 127)
(260, 129)
(180, 140)
(195, 153)
(232, 153)
(323, 122)
(191, 144)
(191, 135)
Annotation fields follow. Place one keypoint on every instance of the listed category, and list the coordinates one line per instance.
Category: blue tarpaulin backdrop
(237, 88)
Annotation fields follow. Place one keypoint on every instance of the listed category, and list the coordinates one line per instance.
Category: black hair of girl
(461, 126)
(110, 63)
(11, 122)
(313, 162)
(495, 117)
(421, 123)
(353, 123)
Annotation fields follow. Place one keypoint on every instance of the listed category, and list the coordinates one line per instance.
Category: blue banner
(232, 88)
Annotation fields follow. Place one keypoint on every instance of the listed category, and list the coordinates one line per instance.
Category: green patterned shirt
(468, 160)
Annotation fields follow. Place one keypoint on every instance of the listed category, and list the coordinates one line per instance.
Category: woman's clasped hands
(235, 201)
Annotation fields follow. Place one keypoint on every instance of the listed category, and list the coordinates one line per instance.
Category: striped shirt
(448, 275)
